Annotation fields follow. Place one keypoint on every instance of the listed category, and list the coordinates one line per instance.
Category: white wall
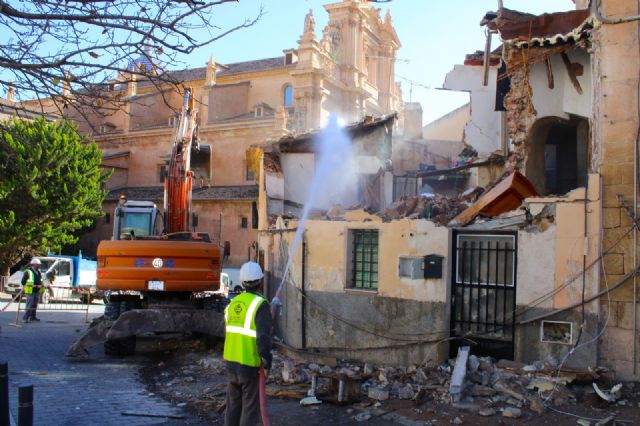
(483, 131)
(563, 99)
(298, 170)
(536, 266)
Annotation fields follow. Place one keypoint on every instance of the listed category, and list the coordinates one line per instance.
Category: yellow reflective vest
(31, 278)
(241, 343)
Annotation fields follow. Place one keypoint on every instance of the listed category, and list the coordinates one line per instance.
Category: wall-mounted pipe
(595, 9)
(635, 250)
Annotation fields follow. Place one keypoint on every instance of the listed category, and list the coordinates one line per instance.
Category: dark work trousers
(243, 401)
(32, 305)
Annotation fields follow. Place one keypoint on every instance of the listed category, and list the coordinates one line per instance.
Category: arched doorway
(558, 154)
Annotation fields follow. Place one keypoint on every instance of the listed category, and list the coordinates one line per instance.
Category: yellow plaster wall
(450, 127)
(328, 254)
(539, 272)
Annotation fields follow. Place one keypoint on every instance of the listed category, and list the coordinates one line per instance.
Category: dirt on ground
(194, 378)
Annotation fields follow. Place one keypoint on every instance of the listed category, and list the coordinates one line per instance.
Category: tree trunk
(4, 276)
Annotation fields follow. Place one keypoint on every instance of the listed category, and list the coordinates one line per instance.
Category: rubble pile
(484, 391)
(488, 388)
(435, 207)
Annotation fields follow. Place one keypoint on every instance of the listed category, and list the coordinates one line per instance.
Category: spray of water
(334, 182)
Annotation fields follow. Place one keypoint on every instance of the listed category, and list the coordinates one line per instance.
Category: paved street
(69, 392)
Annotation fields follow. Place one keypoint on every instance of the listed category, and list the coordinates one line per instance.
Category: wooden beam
(571, 70)
(457, 169)
(547, 63)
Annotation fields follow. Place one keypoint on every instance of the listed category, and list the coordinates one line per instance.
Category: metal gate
(483, 292)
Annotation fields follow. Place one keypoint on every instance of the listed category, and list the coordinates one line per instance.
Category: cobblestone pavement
(69, 392)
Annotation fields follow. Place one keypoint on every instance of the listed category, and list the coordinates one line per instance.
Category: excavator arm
(178, 184)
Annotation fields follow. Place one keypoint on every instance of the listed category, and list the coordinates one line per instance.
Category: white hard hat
(35, 261)
(250, 271)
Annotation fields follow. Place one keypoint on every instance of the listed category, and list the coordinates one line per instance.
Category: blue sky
(435, 35)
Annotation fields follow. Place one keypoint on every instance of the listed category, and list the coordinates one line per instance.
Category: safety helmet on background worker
(35, 261)
(250, 274)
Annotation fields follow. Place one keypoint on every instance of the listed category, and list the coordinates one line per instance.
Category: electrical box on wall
(433, 266)
(411, 267)
(419, 267)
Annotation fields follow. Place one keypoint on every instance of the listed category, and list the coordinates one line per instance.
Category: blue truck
(66, 278)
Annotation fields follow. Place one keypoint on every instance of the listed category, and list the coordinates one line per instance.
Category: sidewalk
(69, 392)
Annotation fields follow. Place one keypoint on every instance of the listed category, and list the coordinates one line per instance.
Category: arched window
(288, 95)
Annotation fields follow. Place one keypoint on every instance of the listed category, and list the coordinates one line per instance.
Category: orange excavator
(158, 281)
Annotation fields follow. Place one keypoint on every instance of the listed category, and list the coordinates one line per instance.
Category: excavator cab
(135, 219)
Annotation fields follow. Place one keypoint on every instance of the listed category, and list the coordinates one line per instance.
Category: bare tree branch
(81, 54)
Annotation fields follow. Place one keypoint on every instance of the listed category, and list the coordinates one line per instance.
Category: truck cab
(135, 219)
(66, 277)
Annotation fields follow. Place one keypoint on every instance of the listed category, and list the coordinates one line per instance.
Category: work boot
(35, 319)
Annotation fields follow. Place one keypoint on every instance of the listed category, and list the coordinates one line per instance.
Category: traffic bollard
(25, 405)
(4, 393)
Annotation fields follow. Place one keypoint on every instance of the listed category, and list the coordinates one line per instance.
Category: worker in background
(32, 284)
(247, 347)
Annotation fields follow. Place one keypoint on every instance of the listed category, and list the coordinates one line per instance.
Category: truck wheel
(45, 298)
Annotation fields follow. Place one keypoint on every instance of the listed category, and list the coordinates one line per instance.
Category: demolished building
(539, 262)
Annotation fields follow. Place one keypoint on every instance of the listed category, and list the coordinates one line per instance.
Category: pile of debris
(485, 387)
(460, 391)
(435, 207)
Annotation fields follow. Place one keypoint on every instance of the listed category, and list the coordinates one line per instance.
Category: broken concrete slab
(379, 394)
(487, 412)
(310, 400)
(504, 388)
(512, 412)
(479, 390)
(459, 372)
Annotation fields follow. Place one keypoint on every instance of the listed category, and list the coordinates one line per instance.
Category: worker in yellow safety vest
(247, 348)
(33, 287)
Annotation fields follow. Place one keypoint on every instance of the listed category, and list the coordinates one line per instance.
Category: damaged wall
(401, 308)
(483, 130)
(298, 168)
(537, 92)
(550, 263)
(563, 99)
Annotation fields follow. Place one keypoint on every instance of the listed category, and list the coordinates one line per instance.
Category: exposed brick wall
(520, 116)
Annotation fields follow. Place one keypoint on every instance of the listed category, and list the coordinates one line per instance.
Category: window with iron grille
(364, 259)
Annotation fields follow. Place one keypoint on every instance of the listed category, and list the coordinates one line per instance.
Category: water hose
(262, 391)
